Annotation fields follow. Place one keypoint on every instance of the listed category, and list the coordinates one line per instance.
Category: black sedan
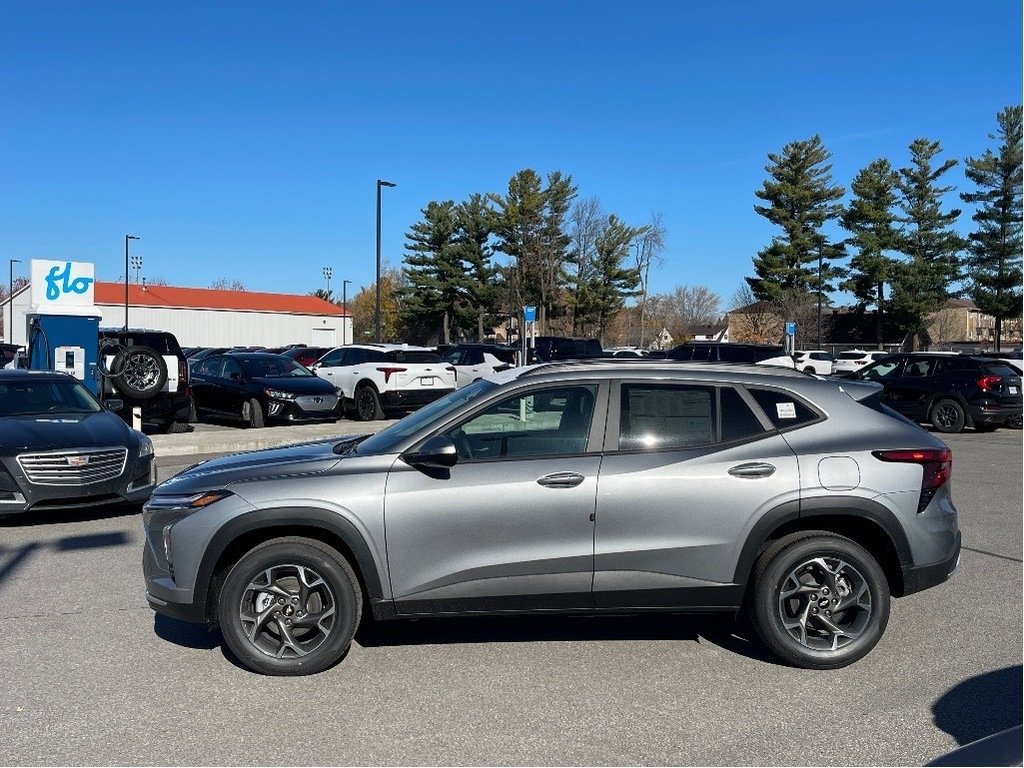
(258, 387)
(61, 449)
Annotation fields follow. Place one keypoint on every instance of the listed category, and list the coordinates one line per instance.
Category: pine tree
(923, 282)
(871, 221)
(437, 282)
(610, 282)
(475, 225)
(801, 199)
(994, 259)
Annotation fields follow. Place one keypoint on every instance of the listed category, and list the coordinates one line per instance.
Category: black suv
(548, 348)
(147, 368)
(718, 352)
(949, 391)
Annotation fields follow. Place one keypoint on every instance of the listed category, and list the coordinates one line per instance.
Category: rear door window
(664, 416)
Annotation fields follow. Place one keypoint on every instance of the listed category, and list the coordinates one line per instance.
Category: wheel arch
(955, 396)
(242, 533)
(366, 383)
(866, 522)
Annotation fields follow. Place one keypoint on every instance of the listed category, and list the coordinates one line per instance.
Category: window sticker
(786, 410)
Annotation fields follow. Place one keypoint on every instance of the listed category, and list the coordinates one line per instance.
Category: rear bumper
(411, 398)
(993, 412)
(920, 577)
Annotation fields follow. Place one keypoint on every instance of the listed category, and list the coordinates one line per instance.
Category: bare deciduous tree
(648, 245)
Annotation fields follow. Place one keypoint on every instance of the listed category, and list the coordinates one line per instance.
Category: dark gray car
(61, 449)
(574, 487)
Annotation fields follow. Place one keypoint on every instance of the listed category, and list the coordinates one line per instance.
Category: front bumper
(134, 485)
(920, 577)
(292, 410)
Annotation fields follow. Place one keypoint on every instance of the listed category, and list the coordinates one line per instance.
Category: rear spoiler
(867, 392)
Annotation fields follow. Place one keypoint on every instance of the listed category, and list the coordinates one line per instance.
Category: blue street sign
(791, 329)
(529, 313)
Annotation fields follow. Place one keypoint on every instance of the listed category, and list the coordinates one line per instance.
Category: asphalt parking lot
(91, 676)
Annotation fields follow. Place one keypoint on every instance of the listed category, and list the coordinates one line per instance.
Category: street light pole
(10, 297)
(327, 276)
(344, 308)
(377, 316)
(820, 248)
(126, 277)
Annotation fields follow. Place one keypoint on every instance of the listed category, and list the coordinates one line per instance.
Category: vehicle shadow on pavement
(37, 517)
(186, 634)
(981, 705)
(12, 559)
(721, 631)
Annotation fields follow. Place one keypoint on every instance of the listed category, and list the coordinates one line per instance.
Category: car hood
(304, 458)
(57, 431)
(297, 385)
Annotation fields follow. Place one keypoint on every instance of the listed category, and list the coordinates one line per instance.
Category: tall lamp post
(10, 297)
(137, 266)
(344, 308)
(377, 317)
(126, 276)
(327, 276)
(820, 248)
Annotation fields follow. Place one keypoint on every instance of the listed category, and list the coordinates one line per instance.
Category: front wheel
(819, 600)
(290, 606)
(252, 413)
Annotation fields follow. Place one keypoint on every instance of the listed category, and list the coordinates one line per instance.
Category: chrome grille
(308, 402)
(82, 467)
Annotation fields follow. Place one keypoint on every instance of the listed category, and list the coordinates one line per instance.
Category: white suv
(374, 378)
(816, 361)
(855, 359)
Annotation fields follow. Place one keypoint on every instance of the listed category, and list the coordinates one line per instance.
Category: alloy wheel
(287, 611)
(825, 603)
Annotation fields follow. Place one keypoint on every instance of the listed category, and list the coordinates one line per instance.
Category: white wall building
(204, 317)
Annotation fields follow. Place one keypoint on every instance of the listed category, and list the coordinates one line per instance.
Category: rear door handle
(753, 470)
(560, 480)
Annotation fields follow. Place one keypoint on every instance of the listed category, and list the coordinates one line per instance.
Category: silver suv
(601, 486)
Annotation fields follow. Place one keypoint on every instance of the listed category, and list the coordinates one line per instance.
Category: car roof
(21, 374)
(630, 367)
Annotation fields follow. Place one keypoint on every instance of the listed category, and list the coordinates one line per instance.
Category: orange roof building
(212, 317)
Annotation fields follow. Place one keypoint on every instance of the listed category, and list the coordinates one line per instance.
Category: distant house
(757, 323)
(961, 322)
(709, 332)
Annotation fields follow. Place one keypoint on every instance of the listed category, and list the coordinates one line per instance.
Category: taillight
(182, 376)
(387, 371)
(936, 462)
(989, 383)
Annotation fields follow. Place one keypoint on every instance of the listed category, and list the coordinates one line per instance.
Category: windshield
(45, 397)
(278, 367)
(386, 440)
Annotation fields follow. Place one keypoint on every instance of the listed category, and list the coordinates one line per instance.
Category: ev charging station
(62, 323)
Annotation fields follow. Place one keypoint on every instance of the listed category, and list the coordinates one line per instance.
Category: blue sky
(243, 140)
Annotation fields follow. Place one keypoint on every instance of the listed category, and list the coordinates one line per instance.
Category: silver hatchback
(604, 486)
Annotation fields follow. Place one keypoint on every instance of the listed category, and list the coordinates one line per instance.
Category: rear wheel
(947, 416)
(368, 404)
(819, 600)
(290, 606)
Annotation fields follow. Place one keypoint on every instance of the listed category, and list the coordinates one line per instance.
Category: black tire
(810, 369)
(175, 427)
(252, 413)
(288, 638)
(139, 372)
(947, 415)
(193, 416)
(368, 404)
(796, 628)
(1014, 422)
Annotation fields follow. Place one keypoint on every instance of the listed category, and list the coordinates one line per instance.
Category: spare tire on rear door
(139, 372)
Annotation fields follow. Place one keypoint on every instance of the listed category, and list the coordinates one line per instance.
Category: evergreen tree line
(901, 254)
(470, 266)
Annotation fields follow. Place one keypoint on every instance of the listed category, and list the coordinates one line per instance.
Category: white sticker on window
(786, 410)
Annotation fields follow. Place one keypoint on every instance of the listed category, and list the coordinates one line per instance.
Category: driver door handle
(561, 480)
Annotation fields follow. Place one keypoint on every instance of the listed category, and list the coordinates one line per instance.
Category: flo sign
(62, 286)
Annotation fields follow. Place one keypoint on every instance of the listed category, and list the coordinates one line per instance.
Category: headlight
(278, 394)
(189, 501)
(145, 446)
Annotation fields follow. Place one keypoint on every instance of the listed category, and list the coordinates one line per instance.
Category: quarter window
(783, 409)
(738, 421)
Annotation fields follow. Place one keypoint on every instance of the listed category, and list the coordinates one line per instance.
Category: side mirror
(113, 404)
(438, 452)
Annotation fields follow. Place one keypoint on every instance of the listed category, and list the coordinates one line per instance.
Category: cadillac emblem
(77, 461)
